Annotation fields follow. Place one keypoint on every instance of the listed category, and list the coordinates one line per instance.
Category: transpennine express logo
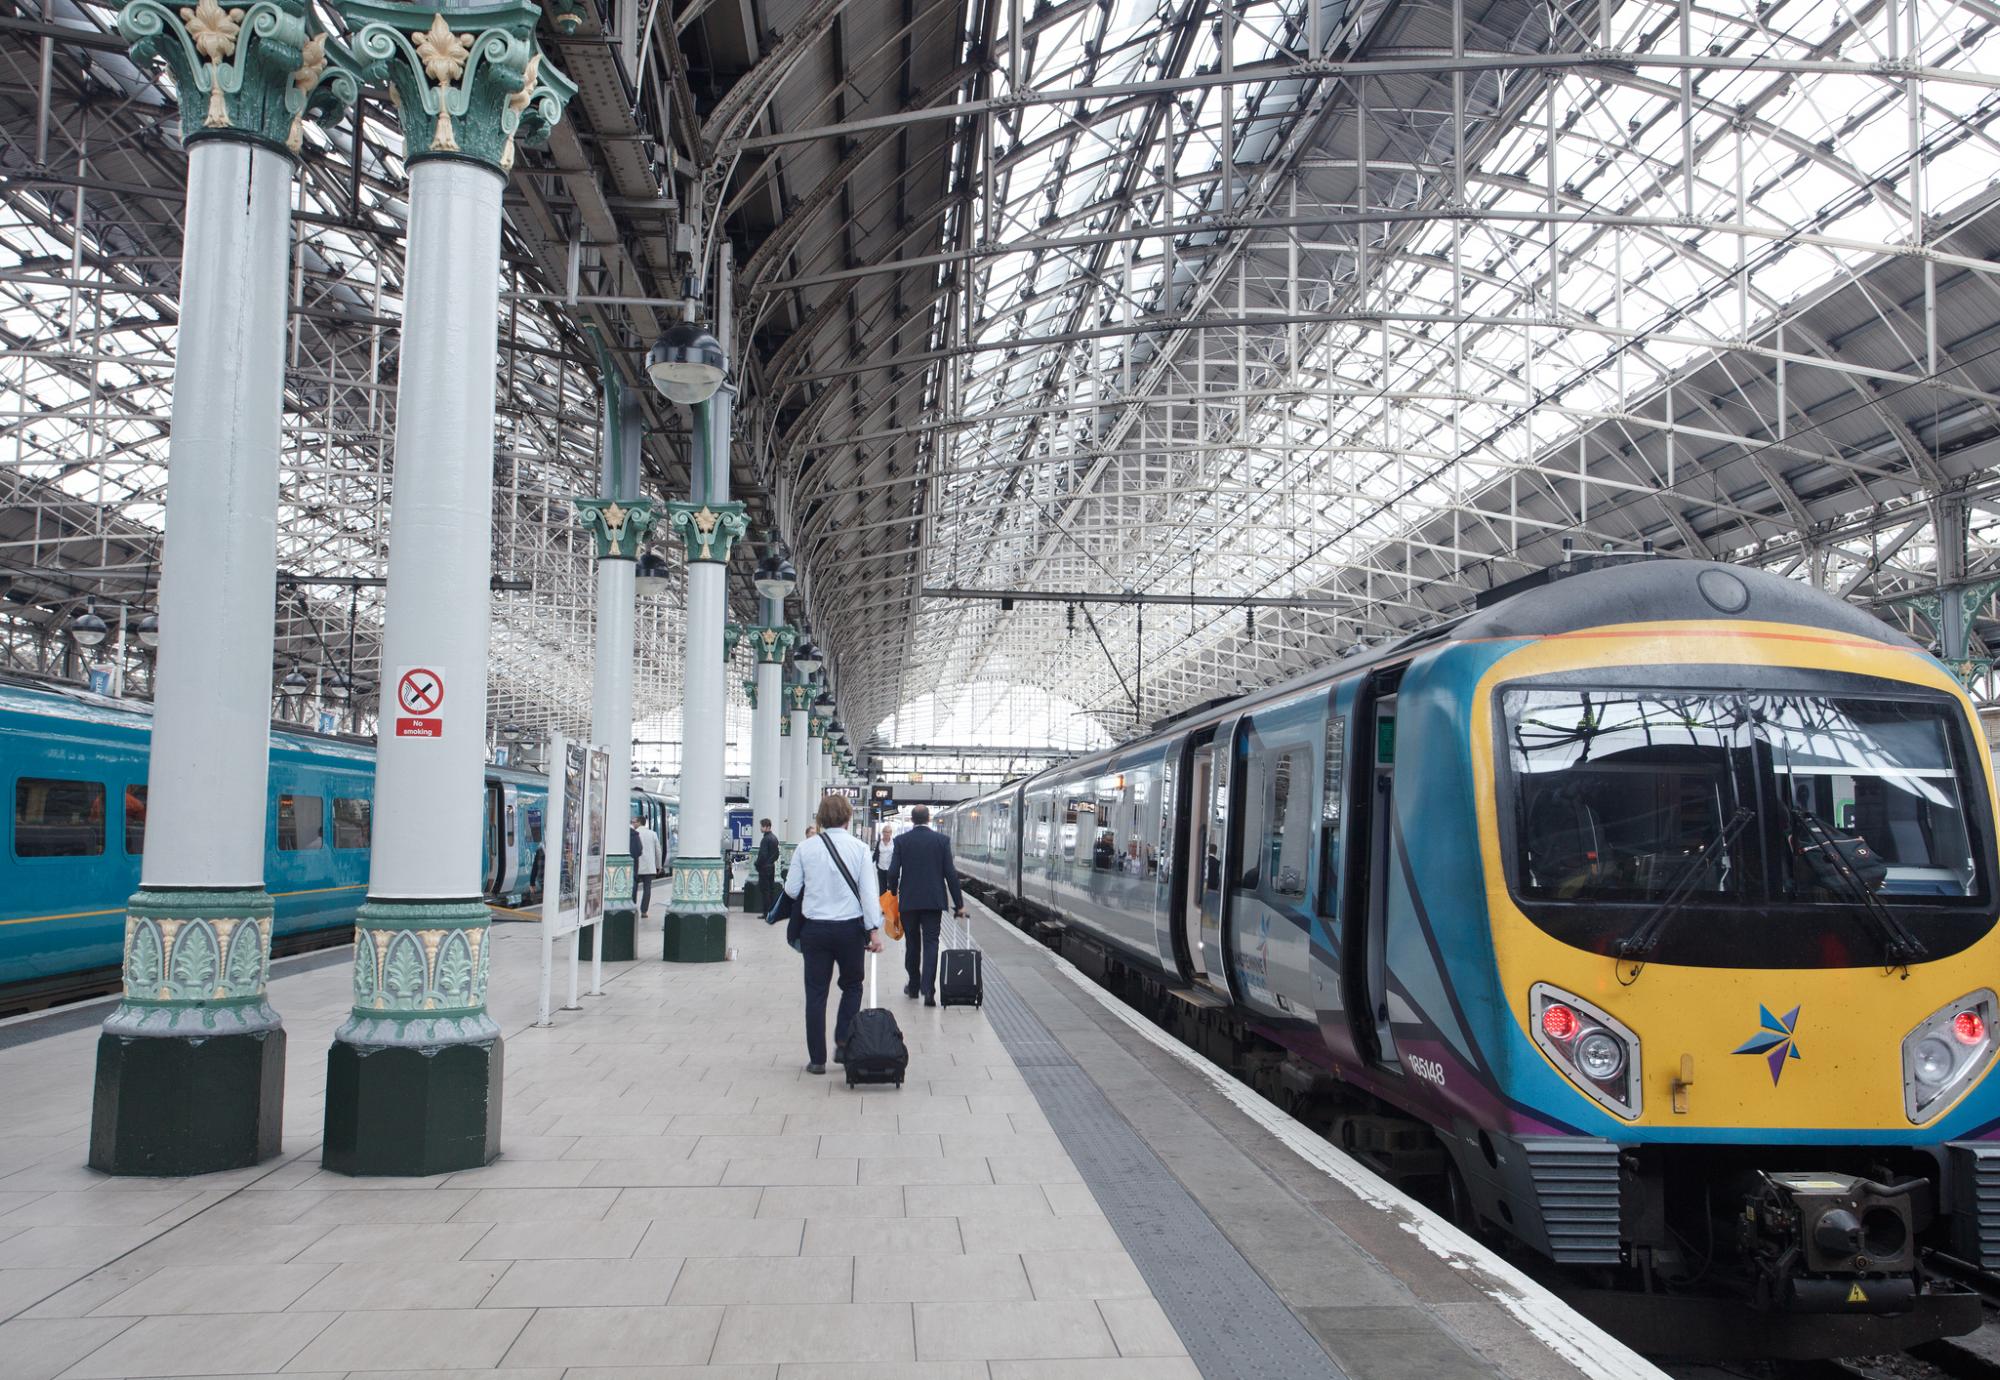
(1775, 1041)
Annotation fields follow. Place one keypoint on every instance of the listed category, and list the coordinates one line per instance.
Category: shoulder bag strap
(847, 876)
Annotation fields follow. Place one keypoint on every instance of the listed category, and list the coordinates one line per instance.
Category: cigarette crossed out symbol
(419, 691)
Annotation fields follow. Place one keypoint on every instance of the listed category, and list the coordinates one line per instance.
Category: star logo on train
(1776, 1041)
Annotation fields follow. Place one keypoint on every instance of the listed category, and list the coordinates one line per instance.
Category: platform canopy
(1098, 356)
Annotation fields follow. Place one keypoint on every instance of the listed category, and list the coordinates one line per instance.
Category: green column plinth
(413, 1080)
(191, 1064)
(621, 941)
(695, 938)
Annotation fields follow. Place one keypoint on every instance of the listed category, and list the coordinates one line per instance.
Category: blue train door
(1381, 870)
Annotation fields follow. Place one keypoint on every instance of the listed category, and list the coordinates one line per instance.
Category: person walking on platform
(645, 863)
(767, 863)
(885, 853)
(920, 873)
(842, 922)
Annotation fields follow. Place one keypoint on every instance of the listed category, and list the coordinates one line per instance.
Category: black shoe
(815, 1068)
(840, 1052)
(909, 991)
(930, 1001)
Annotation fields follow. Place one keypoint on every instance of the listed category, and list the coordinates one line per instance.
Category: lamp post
(689, 366)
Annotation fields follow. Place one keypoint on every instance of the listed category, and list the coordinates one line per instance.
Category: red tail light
(1968, 1027)
(1561, 1023)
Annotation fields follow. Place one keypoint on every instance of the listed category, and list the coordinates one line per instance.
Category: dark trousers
(827, 943)
(645, 894)
(767, 885)
(920, 948)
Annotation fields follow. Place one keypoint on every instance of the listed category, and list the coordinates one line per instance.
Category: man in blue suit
(920, 874)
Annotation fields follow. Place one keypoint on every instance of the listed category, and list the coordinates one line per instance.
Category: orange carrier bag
(892, 915)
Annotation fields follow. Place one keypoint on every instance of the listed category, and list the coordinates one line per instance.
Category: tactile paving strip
(1230, 1320)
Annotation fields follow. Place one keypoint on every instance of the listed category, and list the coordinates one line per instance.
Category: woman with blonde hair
(833, 879)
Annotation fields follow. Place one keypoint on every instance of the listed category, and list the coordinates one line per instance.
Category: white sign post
(573, 890)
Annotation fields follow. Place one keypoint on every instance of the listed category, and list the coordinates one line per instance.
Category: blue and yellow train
(1662, 893)
(73, 766)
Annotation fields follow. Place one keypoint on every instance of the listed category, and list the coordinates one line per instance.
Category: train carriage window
(1329, 813)
(351, 822)
(301, 823)
(135, 820)
(1287, 830)
(56, 818)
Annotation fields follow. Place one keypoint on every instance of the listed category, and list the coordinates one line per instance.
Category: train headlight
(1594, 1049)
(1946, 1052)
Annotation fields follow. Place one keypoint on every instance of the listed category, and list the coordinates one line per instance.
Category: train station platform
(1058, 1193)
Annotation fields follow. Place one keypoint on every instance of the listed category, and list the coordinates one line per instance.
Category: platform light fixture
(340, 689)
(87, 629)
(295, 683)
(775, 577)
(511, 732)
(147, 630)
(686, 364)
(807, 658)
(649, 580)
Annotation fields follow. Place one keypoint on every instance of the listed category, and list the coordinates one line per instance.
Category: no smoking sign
(419, 703)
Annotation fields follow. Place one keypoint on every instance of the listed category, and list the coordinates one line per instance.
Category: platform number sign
(419, 703)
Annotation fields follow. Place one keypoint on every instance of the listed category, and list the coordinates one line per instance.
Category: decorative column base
(191, 1064)
(620, 929)
(414, 1078)
(697, 924)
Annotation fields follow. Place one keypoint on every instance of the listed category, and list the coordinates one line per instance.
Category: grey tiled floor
(676, 1198)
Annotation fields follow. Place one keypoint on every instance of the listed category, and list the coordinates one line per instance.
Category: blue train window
(55, 818)
(301, 823)
(135, 820)
(350, 822)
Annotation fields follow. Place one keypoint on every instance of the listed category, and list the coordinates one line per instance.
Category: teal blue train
(73, 766)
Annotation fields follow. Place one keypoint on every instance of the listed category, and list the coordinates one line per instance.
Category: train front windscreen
(1756, 809)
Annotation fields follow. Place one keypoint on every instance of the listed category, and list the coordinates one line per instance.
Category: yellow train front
(1663, 892)
(1725, 1018)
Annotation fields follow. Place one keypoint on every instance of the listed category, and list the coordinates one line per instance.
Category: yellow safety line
(509, 910)
(68, 915)
(120, 910)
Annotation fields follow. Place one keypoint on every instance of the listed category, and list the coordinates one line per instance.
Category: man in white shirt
(646, 865)
(842, 907)
(885, 854)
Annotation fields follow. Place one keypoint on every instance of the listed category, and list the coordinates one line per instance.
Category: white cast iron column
(414, 1076)
(191, 1064)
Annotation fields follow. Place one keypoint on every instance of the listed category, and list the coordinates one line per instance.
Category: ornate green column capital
(467, 83)
(732, 633)
(774, 643)
(709, 529)
(815, 727)
(618, 527)
(254, 72)
(784, 725)
(799, 696)
(750, 692)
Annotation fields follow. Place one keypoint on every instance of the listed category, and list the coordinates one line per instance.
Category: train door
(495, 868)
(1366, 912)
(1205, 864)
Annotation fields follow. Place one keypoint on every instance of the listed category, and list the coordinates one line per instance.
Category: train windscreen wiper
(1900, 947)
(1639, 944)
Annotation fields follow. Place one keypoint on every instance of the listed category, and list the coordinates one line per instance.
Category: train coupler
(1831, 1243)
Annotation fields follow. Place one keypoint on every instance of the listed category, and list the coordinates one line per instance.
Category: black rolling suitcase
(960, 982)
(875, 1049)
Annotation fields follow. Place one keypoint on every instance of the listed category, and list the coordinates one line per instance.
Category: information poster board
(593, 881)
(579, 779)
(574, 761)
